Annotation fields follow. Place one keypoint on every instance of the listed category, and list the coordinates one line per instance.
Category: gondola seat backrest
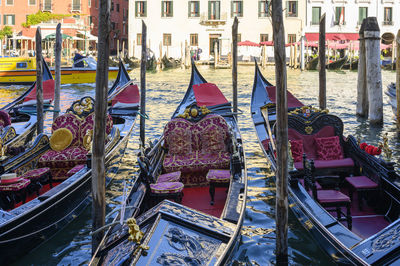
(320, 136)
(5, 119)
(196, 147)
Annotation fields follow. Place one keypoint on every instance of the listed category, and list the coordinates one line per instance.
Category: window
(140, 8)
(239, 37)
(194, 9)
(47, 5)
(214, 10)
(22, 65)
(316, 15)
(237, 9)
(362, 14)
(263, 37)
(9, 19)
(291, 8)
(76, 5)
(9, 2)
(291, 38)
(166, 8)
(89, 3)
(339, 16)
(117, 7)
(139, 39)
(167, 39)
(387, 16)
(112, 6)
(194, 39)
(263, 8)
(32, 2)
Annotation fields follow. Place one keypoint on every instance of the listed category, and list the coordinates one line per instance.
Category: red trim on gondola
(292, 101)
(48, 92)
(130, 95)
(208, 94)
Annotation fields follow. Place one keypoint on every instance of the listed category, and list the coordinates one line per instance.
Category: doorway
(214, 38)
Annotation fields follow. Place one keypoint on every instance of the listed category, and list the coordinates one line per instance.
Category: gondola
(312, 64)
(353, 65)
(337, 64)
(363, 226)
(391, 93)
(201, 223)
(47, 186)
(18, 118)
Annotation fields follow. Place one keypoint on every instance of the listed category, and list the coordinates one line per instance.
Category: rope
(143, 115)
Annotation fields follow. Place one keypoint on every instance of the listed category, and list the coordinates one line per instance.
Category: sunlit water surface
(165, 90)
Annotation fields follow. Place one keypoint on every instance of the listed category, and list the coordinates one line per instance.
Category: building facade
(346, 16)
(201, 24)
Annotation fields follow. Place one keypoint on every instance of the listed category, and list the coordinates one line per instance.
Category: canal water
(72, 246)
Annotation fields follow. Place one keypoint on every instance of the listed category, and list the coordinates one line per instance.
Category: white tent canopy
(89, 36)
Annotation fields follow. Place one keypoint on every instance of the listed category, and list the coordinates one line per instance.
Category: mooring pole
(57, 72)
(39, 82)
(99, 134)
(373, 70)
(362, 95)
(143, 85)
(234, 65)
(398, 78)
(322, 66)
(281, 206)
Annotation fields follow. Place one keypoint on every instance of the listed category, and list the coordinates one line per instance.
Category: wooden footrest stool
(39, 177)
(218, 178)
(12, 190)
(360, 184)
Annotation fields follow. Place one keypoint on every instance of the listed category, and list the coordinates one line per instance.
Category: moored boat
(346, 198)
(22, 70)
(207, 185)
(312, 64)
(337, 64)
(353, 65)
(47, 186)
(391, 93)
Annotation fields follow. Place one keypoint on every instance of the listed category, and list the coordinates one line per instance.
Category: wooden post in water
(393, 53)
(302, 53)
(281, 205)
(295, 56)
(57, 72)
(398, 78)
(161, 55)
(215, 55)
(362, 95)
(187, 55)
(143, 85)
(123, 49)
(39, 82)
(373, 70)
(117, 48)
(351, 54)
(234, 65)
(99, 134)
(322, 66)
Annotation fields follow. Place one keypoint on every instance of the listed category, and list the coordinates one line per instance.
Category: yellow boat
(22, 71)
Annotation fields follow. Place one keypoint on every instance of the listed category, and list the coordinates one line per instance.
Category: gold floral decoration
(308, 130)
(87, 140)
(135, 235)
(385, 147)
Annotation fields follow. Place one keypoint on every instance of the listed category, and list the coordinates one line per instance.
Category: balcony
(213, 20)
(388, 22)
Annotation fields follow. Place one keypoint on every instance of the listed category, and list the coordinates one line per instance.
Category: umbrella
(21, 37)
(247, 43)
(53, 36)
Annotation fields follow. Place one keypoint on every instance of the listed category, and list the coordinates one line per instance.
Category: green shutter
(297, 8)
(218, 10)
(162, 10)
(13, 19)
(209, 9)
(231, 9)
(259, 8)
(287, 8)
(145, 8)
(172, 8)
(136, 8)
(4, 20)
(189, 9)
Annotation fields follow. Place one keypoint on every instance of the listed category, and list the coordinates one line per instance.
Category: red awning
(208, 94)
(127, 97)
(292, 101)
(48, 93)
(312, 37)
(267, 43)
(247, 43)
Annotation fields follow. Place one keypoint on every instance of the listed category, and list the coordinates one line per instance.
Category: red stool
(38, 177)
(361, 184)
(217, 178)
(10, 193)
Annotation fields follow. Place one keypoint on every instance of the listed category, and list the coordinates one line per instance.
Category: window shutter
(172, 8)
(4, 20)
(162, 9)
(259, 8)
(209, 9)
(231, 9)
(13, 19)
(145, 8)
(136, 9)
(287, 8)
(218, 10)
(189, 5)
(297, 8)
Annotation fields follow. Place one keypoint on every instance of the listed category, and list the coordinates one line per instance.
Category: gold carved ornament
(308, 130)
(87, 139)
(384, 146)
(135, 235)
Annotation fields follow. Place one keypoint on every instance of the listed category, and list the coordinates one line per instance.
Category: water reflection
(164, 91)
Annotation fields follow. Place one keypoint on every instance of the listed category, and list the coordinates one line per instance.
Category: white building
(202, 23)
(345, 16)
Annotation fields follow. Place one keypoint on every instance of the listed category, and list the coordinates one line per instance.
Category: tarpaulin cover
(291, 100)
(311, 37)
(128, 96)
(208, 94)
(48, 92)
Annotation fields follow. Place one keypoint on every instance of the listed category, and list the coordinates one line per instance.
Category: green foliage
(40, 17)
(6, 31)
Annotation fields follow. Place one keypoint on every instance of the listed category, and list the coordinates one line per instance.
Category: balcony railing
(218, 19)
(388, 22)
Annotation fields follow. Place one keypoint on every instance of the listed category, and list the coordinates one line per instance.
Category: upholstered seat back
(88, 124)
(5, 119)
(70, 122)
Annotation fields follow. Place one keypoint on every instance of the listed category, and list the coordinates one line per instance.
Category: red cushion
(214, 132)
(166, 187)
(218, 176)
(361, 182)
(178, 136)
(36, 173)
(75, 170)
(5, 119)
(70, 122)
(297, 150)
(328, 148)
(320, 164)
(308, 140)
(331, 196)
(169, 177)
(23, 183)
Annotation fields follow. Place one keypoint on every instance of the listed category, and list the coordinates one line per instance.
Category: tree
(6, 31)
(39, 17)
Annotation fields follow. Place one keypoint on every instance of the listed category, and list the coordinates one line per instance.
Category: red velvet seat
(75, 170)
(169, 177)
(361, 184)
(331, 196)
(321, 164)
(218, 178)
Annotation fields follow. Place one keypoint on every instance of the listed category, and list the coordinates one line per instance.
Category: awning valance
(312, 37)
